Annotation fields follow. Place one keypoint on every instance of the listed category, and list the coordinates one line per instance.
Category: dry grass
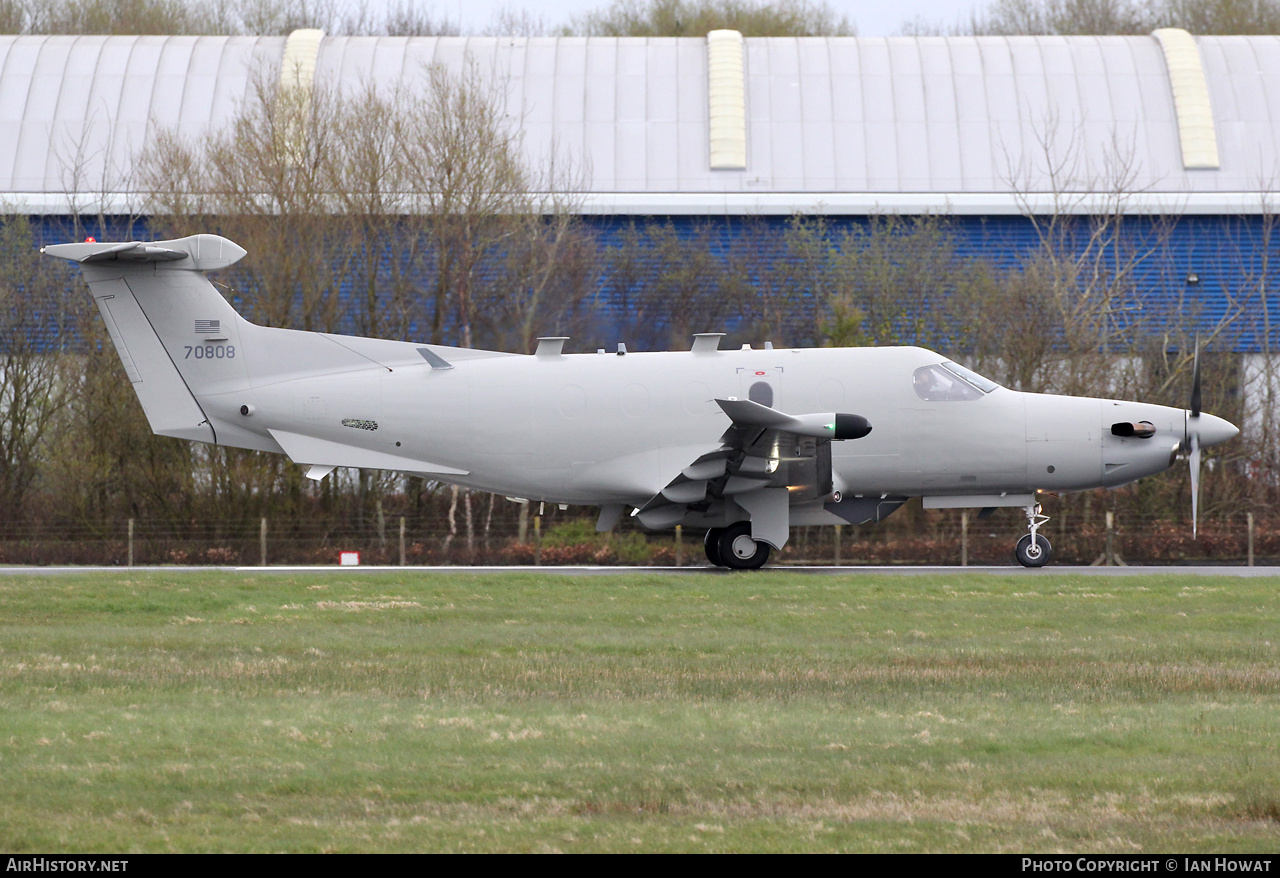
(521, 712)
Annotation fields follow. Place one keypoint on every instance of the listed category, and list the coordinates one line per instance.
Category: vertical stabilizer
(150, 292)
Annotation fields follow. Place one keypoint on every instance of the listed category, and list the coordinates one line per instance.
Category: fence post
(964, 539)
(262, 540)
(839, 528)
(131, 542)
(537, 541)
(1111, 539)
(402, 541)
(679, 545)
(1249, 517)
(1108, 556)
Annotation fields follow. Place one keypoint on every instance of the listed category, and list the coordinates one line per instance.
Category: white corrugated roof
(844, 124)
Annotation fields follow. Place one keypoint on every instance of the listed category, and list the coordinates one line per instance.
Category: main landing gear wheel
(1032, 552)
(711, 544)
(738, 551)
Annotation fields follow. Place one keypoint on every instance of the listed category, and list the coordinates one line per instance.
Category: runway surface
(854, 570)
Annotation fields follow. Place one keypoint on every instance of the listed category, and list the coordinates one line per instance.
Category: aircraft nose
(1215, 430)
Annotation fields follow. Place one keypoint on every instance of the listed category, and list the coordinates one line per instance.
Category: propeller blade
(1195, 483)
(1195, 382)
(1193, 438)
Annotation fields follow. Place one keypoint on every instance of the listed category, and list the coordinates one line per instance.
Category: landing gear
(711, 544)
(738, 551)
(1033, 550)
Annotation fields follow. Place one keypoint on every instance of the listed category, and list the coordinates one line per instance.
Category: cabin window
(761, 392)
(949, 382)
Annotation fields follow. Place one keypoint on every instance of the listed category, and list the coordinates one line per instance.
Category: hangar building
(988, 130)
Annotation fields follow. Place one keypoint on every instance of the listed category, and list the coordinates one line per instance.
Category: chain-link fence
(947, 537)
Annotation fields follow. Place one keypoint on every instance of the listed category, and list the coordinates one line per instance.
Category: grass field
(524, 712)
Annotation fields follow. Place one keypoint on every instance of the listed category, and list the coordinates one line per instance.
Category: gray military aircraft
(745, 443)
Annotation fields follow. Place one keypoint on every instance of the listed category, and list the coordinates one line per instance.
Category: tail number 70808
(210, 352)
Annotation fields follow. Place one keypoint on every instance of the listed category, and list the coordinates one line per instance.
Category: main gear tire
(711, 545)
(738, 551)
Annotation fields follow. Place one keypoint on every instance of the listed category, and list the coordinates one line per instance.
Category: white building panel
(975, 122)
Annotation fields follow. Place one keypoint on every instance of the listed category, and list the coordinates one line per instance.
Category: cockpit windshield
(950, 382)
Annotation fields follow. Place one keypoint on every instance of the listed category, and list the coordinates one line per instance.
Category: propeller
(1192, 439)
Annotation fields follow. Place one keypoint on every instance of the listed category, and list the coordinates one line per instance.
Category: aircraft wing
(767, 460)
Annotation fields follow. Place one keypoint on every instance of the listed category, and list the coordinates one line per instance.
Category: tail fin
(160, 310)
(196, 364)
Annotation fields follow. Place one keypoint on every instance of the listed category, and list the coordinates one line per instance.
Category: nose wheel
(1033, 550)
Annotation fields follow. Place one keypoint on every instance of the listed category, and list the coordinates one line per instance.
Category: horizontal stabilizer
(133, 251)
(201, 252)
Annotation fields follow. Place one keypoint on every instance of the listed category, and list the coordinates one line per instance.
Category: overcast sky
(873, 18)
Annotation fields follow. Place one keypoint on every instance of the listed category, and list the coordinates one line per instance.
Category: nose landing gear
(1033, 550)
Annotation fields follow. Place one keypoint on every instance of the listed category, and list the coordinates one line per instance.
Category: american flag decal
(205, 327)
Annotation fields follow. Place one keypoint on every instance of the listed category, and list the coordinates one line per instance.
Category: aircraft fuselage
(604, 428)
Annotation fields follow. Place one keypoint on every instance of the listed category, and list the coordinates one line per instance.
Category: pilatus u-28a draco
(744, 443)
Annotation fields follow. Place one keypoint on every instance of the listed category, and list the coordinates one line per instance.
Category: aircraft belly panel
(867, 473)
(313, 450)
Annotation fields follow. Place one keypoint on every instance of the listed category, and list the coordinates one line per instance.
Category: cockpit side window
(941, 383)
(986, 385)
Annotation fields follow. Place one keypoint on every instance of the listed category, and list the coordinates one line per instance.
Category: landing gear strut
(1033, 550)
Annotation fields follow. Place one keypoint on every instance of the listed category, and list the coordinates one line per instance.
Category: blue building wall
(1200, 272)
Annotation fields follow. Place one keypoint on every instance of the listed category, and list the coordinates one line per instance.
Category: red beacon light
(91, 240)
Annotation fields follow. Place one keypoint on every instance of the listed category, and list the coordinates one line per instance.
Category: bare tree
(265, 179)
(34, 329)
(255, 17)
(403, 212)
(695, 18)
(1077, 17)
(464, 165)
(1065, 17)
